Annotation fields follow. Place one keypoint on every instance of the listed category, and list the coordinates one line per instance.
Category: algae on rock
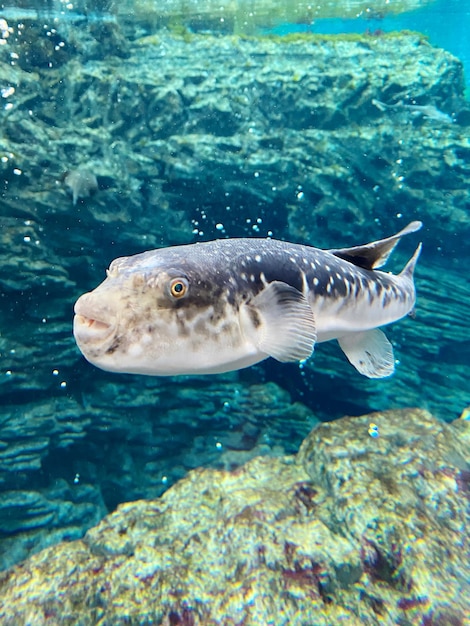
(353, 528)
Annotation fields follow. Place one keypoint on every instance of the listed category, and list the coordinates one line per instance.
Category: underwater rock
(124, 446)
(37, 47)
(33, 520)
(204, 137)
(353, 528)
(109, 41)
(28, 431)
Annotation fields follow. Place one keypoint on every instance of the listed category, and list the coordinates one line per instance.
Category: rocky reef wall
(110, 146)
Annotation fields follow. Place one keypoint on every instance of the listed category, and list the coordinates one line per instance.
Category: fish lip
(91, 330)
(90, 326)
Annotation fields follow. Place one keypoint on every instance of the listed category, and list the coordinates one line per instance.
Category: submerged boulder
(191, 137)
(367, 524)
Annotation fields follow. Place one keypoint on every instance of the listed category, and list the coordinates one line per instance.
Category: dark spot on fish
(255, 318)
(114, 346)
(386, 298)
(182, 328)
(200, 328)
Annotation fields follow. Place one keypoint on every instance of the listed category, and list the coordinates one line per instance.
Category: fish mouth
(89, 326)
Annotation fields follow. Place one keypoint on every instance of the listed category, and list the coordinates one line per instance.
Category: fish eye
(179, 287)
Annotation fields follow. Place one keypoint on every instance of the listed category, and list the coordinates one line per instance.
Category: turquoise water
(445, 22)
(127, 131)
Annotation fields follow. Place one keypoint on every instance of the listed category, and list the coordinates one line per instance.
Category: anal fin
(370, 352)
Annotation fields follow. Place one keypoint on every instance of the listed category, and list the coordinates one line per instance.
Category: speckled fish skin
(244, 300)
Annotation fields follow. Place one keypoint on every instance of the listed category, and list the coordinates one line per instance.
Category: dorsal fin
(375, 254)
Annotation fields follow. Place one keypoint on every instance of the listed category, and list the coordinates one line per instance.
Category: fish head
(159, 314)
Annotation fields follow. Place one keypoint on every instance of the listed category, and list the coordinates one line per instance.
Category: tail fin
(408, 270)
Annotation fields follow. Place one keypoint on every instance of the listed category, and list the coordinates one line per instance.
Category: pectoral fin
(370, 352)
(280, 322)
